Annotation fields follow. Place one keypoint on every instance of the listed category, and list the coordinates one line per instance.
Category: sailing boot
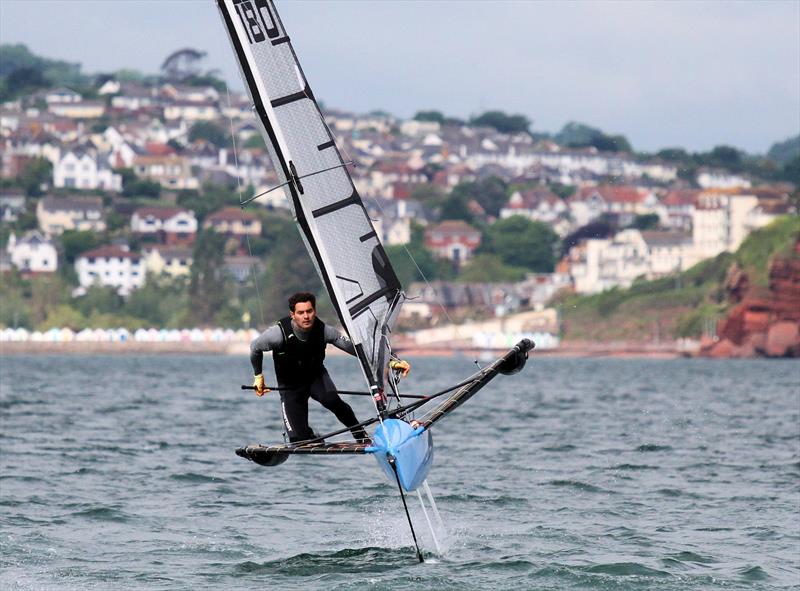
(361, 436)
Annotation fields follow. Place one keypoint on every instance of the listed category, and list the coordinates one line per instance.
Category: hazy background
(690, 74)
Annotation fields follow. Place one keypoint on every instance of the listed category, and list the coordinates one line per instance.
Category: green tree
(784, 152)
(519, 242)
(142, 188)
(99, 299)
(208, 288)
(490, 193)
(435, 116)
(75, 242)
(502, 122)
(255, 142)
(37, 173)
(210, 132)
(646, 221)
(161, 302)
(491, 269)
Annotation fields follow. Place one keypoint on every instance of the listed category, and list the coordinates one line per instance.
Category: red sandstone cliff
(764, 322)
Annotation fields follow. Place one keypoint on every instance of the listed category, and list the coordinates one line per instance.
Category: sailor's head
(302, 309)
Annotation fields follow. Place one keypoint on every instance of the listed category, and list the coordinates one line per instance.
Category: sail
(332, 218)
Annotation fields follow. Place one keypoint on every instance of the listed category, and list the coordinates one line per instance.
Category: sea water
(119, 472)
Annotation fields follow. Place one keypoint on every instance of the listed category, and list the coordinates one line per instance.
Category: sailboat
(347, 254)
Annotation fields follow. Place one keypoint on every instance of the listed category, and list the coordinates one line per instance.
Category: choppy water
(119, 472)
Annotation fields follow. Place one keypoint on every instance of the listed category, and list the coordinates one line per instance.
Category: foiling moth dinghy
(346, 251)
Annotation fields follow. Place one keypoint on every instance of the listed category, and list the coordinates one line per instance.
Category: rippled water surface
(119, 472)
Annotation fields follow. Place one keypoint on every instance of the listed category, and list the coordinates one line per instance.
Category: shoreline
(567, 350)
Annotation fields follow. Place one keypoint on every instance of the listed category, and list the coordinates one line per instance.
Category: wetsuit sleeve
(267, 341)
(338, 340)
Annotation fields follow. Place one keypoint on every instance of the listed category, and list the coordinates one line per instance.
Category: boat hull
(410, 449)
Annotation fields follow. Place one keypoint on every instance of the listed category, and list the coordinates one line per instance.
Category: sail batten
(332, 219)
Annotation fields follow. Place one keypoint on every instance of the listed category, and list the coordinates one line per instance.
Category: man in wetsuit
(298, 344)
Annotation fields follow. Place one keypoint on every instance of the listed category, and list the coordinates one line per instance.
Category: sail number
(258, 20)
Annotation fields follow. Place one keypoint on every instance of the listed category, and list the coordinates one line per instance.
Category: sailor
(298, 344)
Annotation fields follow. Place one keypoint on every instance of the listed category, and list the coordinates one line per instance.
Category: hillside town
(130, 163)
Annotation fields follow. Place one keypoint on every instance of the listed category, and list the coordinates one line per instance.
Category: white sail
(330, 214)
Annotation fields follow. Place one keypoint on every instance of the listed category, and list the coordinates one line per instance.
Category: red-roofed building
(110, 265)
(539, 204)
(680, 205)
(158, 149)
(169, 225)
(453, 239)
(619, 201)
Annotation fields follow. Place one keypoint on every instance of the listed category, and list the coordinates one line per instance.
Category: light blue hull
(411, 448)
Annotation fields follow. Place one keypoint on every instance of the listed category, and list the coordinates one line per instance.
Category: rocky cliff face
(763, 322)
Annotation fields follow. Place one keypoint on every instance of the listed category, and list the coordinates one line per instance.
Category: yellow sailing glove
(258, 385)
(400, 366)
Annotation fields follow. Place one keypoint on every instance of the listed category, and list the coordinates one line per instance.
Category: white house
(721, 179)
(113, 266)
(539, 204)
(173, 225)
(79, 169)
(33, 253)
(62, 95)
(191, 111)
(598, 265)
(11, 205)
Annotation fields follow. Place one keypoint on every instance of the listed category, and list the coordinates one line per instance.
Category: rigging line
(239, 188)
(305, 176)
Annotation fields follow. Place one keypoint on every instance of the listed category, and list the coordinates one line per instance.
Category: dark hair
(302, 296)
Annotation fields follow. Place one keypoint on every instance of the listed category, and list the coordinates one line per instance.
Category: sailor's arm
(339, 340)
(266, 341)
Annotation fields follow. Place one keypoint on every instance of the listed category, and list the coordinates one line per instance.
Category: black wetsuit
(300, 371)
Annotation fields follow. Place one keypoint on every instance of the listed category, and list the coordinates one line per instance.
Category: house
(170, 225)
(680, 205)
(621, 202)
(84, 169)
(171, 171)
(669, 252)
(721, 179)
(56, 214)
(175, 261)
(78, 110)
(452, 239)
(241, 267)
(723, 218)
(539, 204)
(11, 205)
(234, 222)
(191, 111)
(62, 95)
(33, 253)
(114, 266)
(132, 96)
(392, 219)
(597, 265)
(192, 94)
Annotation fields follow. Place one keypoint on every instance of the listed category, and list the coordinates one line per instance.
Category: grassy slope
(675, 306)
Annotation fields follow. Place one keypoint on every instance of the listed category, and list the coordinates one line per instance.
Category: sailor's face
(303, 315)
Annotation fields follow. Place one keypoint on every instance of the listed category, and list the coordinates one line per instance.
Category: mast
(330, 215)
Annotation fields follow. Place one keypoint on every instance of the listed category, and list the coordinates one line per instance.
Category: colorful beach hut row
(142, 335)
